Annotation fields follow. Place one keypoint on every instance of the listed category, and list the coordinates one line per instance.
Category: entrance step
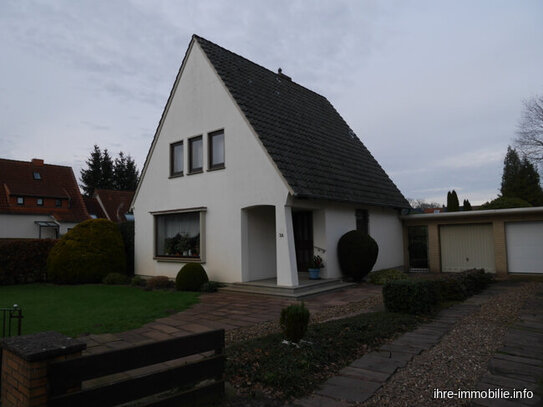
(306, 288)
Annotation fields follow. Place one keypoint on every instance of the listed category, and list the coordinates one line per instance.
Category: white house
(250, 174)
(38, 200)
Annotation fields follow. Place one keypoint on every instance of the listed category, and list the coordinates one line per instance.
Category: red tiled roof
(93, 207)
(55, 182)
(114, 203)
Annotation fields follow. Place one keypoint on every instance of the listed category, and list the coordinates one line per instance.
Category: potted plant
(315, 266)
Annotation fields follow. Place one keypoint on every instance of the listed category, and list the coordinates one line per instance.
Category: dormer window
(37, 175)
(20, 200)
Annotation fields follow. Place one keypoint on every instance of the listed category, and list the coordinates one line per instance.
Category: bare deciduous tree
(530, 132)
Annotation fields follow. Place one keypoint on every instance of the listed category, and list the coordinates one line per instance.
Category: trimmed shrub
(382, 277)
(24, 260)
(475, 281)
(210, 287)
(294, 321)
(138, 281)
(159, 283)
(127, 233)
(357, 254)
(411, 296)
(191, 277)
(87, 253)
(116, 279)
(452, 289)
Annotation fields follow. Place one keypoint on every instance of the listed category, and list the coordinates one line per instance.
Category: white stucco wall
(201, 105)
(333, 220)
(23, 226)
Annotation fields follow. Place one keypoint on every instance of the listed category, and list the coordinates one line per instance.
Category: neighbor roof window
(58, 203)
(20, 200)
(216, 150)
(37, 175)
(40, 201)
(196, 157)
(176, 159)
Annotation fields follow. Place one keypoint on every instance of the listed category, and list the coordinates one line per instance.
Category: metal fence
(12, 321)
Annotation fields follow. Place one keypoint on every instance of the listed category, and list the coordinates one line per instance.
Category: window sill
(200, 171)
(179, 259)
(176, 175)
(218, 167)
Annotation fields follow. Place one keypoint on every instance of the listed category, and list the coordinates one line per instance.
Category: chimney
(37, 162)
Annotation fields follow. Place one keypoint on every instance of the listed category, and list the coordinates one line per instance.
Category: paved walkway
(226, 310)
(520, 369)
(519, 364)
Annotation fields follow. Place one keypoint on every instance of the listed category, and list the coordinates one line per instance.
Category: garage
(524, 241)
(465, 247)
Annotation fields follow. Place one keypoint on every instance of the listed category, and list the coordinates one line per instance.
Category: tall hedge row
(24, 260)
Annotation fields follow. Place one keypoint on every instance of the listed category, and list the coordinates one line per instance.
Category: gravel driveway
(461, 357)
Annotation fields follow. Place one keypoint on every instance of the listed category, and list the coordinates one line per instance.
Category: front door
(302, 222)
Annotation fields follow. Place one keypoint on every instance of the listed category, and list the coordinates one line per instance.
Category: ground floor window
(362, 220)
(178, 235)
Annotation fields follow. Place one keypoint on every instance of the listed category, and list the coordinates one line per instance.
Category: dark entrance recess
(302, 223)
(418, 247)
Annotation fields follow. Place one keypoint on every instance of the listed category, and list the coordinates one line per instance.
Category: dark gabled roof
(317, 153)
(55, 182)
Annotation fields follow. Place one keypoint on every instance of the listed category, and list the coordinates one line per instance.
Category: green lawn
(77, 309)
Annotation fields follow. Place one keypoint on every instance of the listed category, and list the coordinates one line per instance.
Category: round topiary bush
(191, 277)
(357, 253)
(87, 254)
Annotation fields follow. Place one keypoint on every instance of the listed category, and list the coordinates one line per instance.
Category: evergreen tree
(107, 181)
(467, 205)
(92, 176)
(520, 179)
(511, 171)
(125, 173)
(104, 173)
(453, 205)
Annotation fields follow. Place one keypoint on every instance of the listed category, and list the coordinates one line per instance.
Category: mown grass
(286, 371)
(79, 309)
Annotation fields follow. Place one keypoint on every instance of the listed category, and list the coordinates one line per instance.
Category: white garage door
(465, 247)
(524, 247)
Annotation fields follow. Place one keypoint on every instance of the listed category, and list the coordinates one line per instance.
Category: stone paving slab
(364, 374)
(349, 389)
(377, 364)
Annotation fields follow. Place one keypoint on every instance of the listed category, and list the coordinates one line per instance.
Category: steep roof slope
(115, 204)
(55, 181)
(317, 153)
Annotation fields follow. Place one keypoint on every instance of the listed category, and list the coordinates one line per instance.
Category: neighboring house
(38, 200)
(110, 204)
(251, 174)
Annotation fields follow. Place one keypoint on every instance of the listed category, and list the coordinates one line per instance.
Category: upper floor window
(37, 175)
(20, 200)
(362, 220)
(58, 203)
(176, 158)
(39, 201)
(196, 158)
(216, 150)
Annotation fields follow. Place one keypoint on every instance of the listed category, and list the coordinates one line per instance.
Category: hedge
(411, 296)
(24, 260)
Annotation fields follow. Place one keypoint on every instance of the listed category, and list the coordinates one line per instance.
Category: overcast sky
(434, 89)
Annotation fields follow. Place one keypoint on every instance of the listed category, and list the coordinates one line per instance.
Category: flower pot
(314, 274)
